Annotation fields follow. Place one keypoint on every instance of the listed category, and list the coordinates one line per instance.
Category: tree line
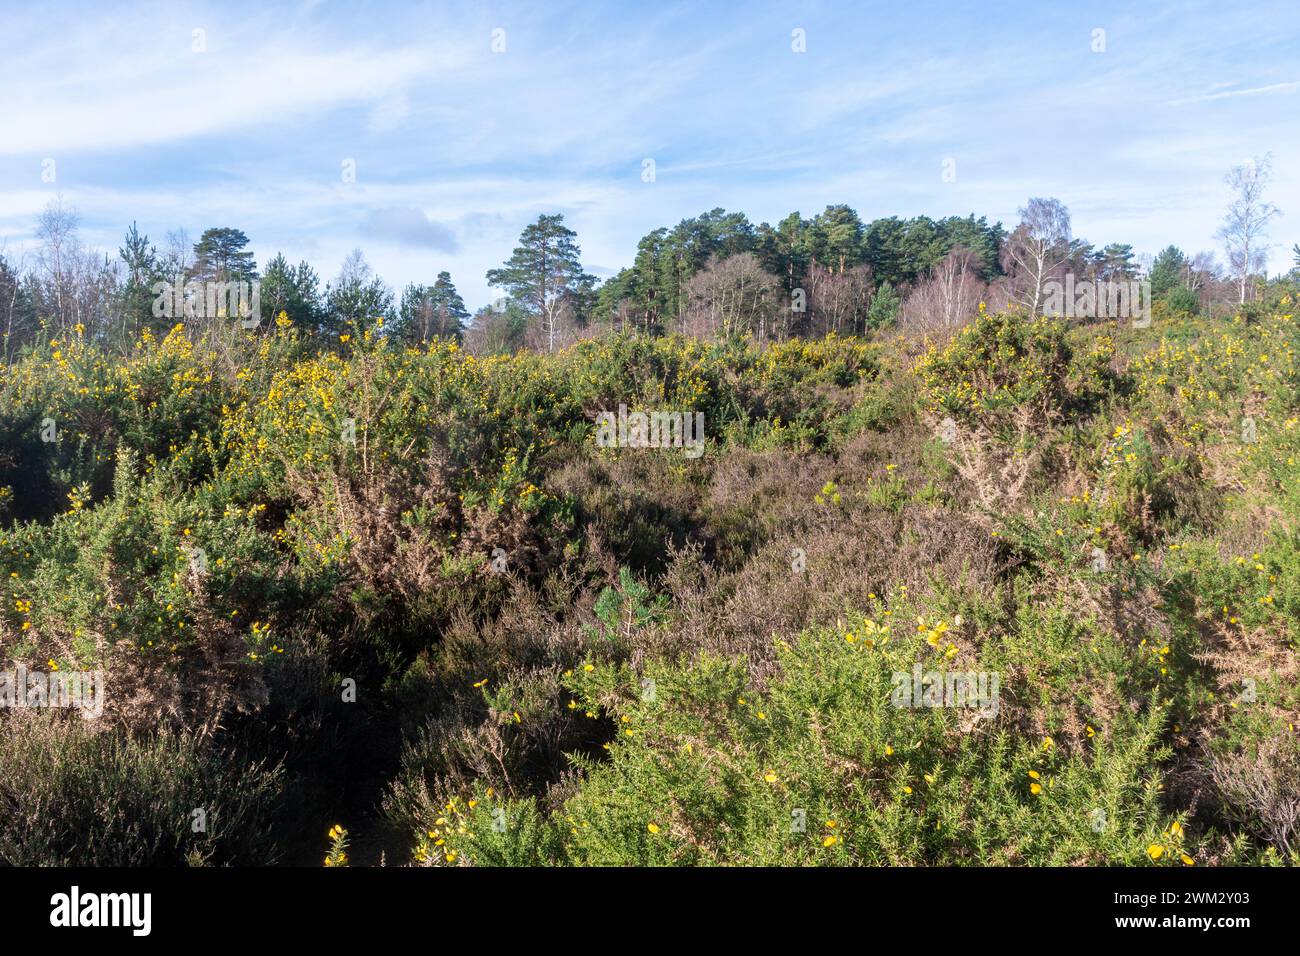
(716, 274)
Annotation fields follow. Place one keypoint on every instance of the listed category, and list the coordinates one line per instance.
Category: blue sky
(457, 147)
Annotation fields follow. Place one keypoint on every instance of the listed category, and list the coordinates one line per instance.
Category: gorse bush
(824, 768)
(405, 595)
(1006, 363)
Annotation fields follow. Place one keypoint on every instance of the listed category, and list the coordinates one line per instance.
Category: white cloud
(135, 86)
(1290, 87)
(458, 148)
(408, 226)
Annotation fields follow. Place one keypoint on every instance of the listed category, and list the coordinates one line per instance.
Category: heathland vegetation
(364, 568)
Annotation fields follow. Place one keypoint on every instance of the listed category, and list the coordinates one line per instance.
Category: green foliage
(1167, 272)
(221, 255)
(545, 270)
(824, 769)
(291, 291)
(650, 296)
(884, 307)
(672, 654)
(624, 609)
(357, 301)
(428, 312)
(1184, 300)
(1006, 365)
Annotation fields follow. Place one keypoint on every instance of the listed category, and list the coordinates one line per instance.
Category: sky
(462, 122)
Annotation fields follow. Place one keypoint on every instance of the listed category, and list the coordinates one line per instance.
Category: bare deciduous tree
(1246, 222)
(556, 327)
(178, 257)
(837, 301)
(1038, 246)
(734, 296)
(70, 286)
(56, 228)
(948, 296)
(1201, 269)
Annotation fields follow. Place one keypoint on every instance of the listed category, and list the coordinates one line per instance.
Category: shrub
(231, 525)
(1184, 300)
(71, 796)
(1005, 362)
(824, 769)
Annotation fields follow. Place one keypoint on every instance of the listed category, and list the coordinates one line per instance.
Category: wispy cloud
(136, 80)
(456, 147)
(1290, 87)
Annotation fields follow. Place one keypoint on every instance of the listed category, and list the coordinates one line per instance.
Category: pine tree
(293, 290)
(429, 312)
(220, 256)
(143, 269)
(357, 301)
(544, 275)
(1167, 271)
